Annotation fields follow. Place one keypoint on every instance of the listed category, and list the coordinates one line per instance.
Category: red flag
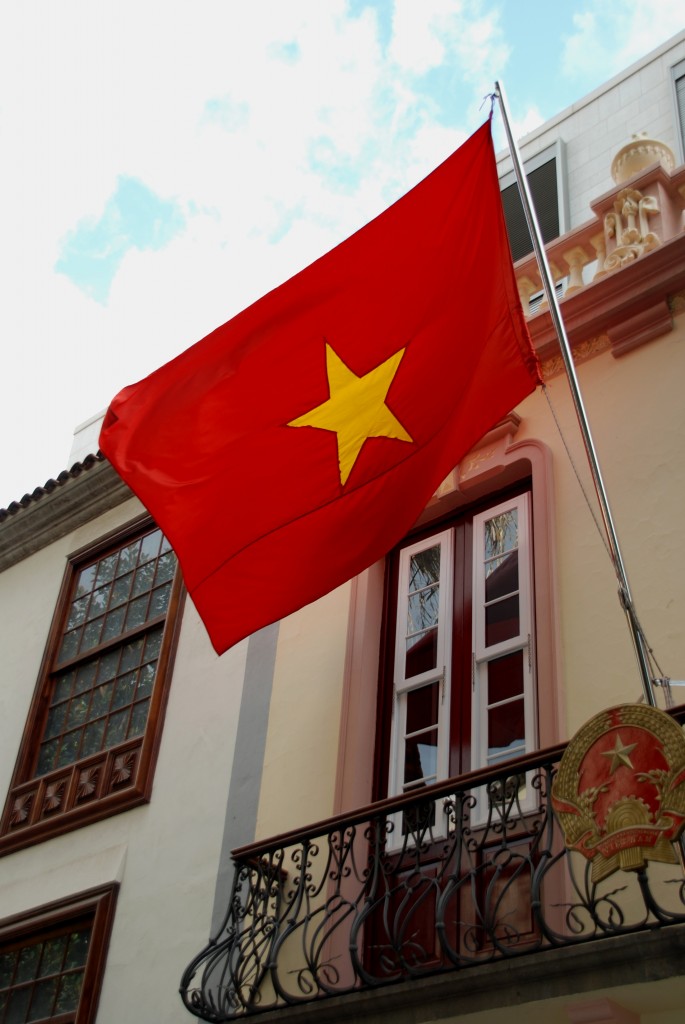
(295, 445)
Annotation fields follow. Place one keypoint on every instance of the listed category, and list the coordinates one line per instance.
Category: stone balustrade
(640, 214)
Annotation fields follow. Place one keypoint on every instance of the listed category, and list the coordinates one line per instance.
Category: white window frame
(481, 657)
(484, 655)
(677, 74)
(555, 151)
(441, 673)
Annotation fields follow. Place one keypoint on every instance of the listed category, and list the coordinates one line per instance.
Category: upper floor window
(51, 961)
(546, 180)
(678, 79)
(462, 623)
(89, 741)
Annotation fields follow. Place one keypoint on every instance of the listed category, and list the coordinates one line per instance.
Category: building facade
(276, 798)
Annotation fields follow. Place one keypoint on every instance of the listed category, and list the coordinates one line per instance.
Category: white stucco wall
(165, 854)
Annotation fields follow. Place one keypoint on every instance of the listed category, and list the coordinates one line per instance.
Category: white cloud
(610, 36)
(276, 128)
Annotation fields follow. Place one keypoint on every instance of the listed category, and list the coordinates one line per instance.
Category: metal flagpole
(548, 284)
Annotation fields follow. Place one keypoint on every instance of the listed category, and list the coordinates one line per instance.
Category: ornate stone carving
(627, 226)
(641, 152)
(585, 350)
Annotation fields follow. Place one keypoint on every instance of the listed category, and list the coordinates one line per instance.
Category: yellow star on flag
(356, 409)
(620, 754)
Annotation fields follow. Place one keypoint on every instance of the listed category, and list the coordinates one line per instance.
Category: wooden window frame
(98, 905)
(106, 783)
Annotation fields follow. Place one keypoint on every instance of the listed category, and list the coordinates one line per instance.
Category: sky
(163, 163)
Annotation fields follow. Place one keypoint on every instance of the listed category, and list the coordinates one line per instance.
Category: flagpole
(625, 595)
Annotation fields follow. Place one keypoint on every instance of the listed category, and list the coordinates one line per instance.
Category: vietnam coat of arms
(619, 793)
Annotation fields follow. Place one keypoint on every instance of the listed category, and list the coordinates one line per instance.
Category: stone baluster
(576, 258)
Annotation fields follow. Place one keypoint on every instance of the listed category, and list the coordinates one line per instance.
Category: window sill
(113, 781)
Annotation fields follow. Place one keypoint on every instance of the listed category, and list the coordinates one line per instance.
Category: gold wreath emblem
(619, 793)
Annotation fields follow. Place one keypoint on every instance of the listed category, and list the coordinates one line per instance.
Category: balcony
(468, 876)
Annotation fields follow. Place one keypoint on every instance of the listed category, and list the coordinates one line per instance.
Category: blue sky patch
(134, 217)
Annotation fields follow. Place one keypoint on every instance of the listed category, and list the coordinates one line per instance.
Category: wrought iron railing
(470, 871)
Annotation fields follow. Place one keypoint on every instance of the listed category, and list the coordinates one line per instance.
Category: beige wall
(637, 417)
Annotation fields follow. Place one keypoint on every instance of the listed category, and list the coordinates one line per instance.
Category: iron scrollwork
(465, 873)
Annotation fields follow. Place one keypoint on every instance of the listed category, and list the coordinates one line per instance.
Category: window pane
(121, 590)
(422, 653)
(70, 645)
(506, 731)
(502, 576)
(107, 666)
(77, 613)
(85, 677)
(138, 719)
(130, 655)
(55, 722)
(150, 545)
(28, 963)
(123, 692)
(69, 991)
(91, 635)
(421, 757)
(101, 699)
(153, 645)
(69, 749)
(505, 677)
(43, 999)
(18, 1005)
(143, 579)
(159, 601)
(7, 965)
(92, 738)
(46, 758)
(165, 567)
(501, 533)
(502, 621)
(128, 558)
(63, 686)
(77, 950)
(116, 728)
(105, 569)
(146, 679)
(99, 602)
(137, 613)
(53, 955)
(86, 580)
(114, 623)
(422, 707)
(422, 609)
(78, 711)
(424, 568)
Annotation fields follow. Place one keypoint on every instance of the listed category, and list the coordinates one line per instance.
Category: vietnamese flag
(296, 444)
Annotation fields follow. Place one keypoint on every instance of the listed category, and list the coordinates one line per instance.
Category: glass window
(106, 682)
(47, 959)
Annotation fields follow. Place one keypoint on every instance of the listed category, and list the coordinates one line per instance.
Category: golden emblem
(619, 793)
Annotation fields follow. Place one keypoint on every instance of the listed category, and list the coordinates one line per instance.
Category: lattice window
(89, 742)
(51, 960)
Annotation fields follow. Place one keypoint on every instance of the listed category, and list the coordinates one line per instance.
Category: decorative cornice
(636, 296)
(59, 508)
